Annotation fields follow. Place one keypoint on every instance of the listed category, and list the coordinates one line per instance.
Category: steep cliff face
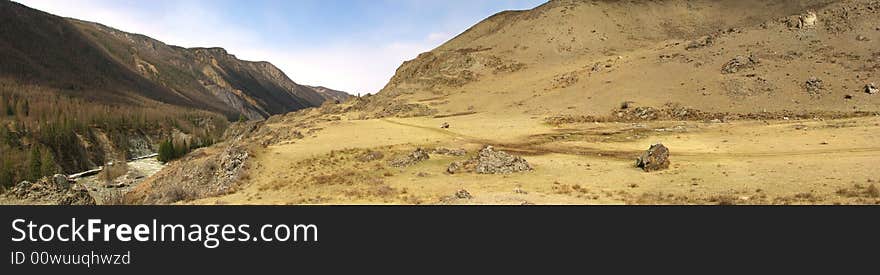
(99, 62)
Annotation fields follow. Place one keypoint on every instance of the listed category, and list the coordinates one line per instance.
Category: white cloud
(354, 68)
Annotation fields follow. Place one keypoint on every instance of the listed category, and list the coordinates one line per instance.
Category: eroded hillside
(588, 57)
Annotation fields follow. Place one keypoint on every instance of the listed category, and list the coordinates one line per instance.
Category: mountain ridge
(136, 66)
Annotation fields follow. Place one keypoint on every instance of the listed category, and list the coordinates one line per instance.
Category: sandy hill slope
(98, 62)
(587, 57)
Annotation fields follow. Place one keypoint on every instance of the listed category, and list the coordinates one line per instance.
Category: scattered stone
(814, 85)
(370, 156)
(862, 38)
(231, 162)
(739, 63)
(463, 194)
(48, 191)
(61, 181)
(848, 96)
(703, 42)
(626, 105)
(871, 88)
(655, 159)
(489, 161)
(24, 184)
(638, 113)
(445, 125)
(803, 21)
(77, 197)
(455, 167)
(416, 156)
(449, 152)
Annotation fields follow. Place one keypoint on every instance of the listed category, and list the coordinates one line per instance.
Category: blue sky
(352, 45)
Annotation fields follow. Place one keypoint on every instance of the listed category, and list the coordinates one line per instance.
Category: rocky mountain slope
(101, 63)
(330, 94)
(588, 57)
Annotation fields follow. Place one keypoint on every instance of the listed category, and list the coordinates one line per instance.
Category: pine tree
(166, 151)
(6, 179)
(48, 163)
(10, 109)
(34, 166)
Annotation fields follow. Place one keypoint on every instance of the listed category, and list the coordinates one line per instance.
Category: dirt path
(538, 146)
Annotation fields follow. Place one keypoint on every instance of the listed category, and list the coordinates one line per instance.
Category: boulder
(655, 159)
(444, 125)
(61, 181)
(871, 88)
(459, 166)
(23, 184)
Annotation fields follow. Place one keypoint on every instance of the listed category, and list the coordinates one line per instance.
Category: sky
(349, 45)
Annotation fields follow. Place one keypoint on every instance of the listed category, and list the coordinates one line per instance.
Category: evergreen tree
(6, 177)
(166, 151)
(48, 163)
(10, 109)
(34, 166)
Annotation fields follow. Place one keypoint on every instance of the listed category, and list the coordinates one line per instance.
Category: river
(139, 170)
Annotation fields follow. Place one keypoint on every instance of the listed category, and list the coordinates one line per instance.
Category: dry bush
(170, 194)
(724, 200)
(114, 198)
(872, 191)
(112, 172)
(858, 191)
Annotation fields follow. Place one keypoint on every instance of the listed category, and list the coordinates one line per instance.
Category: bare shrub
(111, 172)
(177, 193)
(872, 191)
(114, 198)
